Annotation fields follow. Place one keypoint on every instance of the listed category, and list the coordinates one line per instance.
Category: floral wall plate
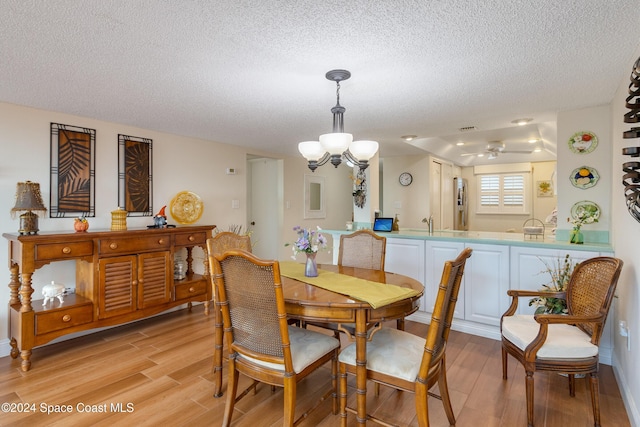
(186, 207)
(583, 142)
(585, 208)
(584, 177)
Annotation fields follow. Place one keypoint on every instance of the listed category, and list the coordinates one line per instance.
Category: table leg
(361, 366)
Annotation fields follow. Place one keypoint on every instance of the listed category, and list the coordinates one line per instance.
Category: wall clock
(405, 178)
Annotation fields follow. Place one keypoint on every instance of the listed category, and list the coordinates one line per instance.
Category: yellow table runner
(375, 293)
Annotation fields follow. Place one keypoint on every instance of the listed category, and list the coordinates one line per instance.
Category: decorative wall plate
(583, 142)
(186, 207)
(584, 177)
(580, 208)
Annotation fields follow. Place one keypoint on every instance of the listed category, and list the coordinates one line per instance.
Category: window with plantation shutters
(502, 193)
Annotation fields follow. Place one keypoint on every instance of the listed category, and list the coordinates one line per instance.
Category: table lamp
(28, 199)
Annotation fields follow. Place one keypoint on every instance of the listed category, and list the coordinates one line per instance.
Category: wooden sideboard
(120, 276)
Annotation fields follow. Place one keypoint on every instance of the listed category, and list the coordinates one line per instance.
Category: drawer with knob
(60, 251)
(188, 239)
(192, 289)
(61, 317)
(134, 245)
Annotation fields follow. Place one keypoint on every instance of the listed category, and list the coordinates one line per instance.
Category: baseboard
(473, 328)
(5, 347)
(625, 392)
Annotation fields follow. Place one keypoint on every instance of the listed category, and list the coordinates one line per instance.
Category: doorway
(265, 216)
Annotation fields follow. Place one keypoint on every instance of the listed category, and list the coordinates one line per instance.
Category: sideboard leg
(14, 348)
(26, 362)
(14, 284)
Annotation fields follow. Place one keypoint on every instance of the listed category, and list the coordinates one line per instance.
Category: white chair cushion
(392, 352)
(563, 341)
(306, 347)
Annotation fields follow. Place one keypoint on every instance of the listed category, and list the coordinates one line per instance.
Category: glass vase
(311, 268)
(576, 237)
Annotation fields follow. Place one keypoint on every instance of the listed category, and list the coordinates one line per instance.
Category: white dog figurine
(54, 290)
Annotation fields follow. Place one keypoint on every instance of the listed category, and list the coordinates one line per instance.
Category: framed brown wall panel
(73, 164)
(135, 175)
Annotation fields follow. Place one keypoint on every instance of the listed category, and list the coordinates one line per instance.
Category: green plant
(560, 274)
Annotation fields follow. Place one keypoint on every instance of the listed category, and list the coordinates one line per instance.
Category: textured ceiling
(251, 73)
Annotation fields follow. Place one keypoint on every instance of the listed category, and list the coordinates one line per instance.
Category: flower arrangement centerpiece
(560, 274)
(309, 242)
(587, 214)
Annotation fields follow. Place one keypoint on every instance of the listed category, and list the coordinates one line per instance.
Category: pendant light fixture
(336, 145)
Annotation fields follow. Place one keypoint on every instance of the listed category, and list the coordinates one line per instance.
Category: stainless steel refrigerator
(460, 204)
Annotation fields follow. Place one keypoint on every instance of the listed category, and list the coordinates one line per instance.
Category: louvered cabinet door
(117, 286)
(154, 278)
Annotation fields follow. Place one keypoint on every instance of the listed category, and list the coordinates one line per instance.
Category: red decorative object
(80, 225)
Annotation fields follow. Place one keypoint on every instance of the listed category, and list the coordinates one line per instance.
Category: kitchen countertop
(489, 237)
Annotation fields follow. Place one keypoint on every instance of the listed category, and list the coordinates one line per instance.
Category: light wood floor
(160, 369)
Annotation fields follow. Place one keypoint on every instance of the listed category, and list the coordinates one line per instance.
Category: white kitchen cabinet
(405, 256)
(436, 254)
(499, 262)
(528, 269)
(486, 281)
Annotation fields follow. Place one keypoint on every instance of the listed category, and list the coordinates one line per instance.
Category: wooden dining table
(310, 303)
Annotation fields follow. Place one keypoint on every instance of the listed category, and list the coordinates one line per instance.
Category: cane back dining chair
(561, 343)
(218, 245)
(262, 345)
(360, 249)
(408, 362)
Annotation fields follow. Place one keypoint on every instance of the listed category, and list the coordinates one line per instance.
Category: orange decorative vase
(80, 225)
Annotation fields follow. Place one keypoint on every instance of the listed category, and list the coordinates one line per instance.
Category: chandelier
(338, 145)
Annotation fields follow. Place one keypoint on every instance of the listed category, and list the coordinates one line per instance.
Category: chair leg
(444, 393)
(342, 394)
(572, 385)
(504, 363)
(289, 402)
(594, 386)
(422, 404)
(217, 351)
(529, 390)
(334, 384)
(232, 389)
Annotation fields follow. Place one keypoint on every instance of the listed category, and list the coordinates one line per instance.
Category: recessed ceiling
(252, 73)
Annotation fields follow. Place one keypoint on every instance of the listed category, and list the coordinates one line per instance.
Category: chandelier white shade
(311, 150)
(363, 149)
(338, 144)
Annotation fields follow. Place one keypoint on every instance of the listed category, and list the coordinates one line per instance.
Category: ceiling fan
(494, 148)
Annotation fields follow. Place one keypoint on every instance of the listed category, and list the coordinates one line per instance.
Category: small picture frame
(135, 176)
(73, 165)
(544, 188)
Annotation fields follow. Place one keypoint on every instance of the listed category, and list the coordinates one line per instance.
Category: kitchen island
(500, 261)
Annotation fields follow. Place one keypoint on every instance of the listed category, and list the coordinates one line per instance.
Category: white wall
(410, 203)
(541, 207)
(625, 236)
(339, 202)
(597, 121)
(179, 163)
